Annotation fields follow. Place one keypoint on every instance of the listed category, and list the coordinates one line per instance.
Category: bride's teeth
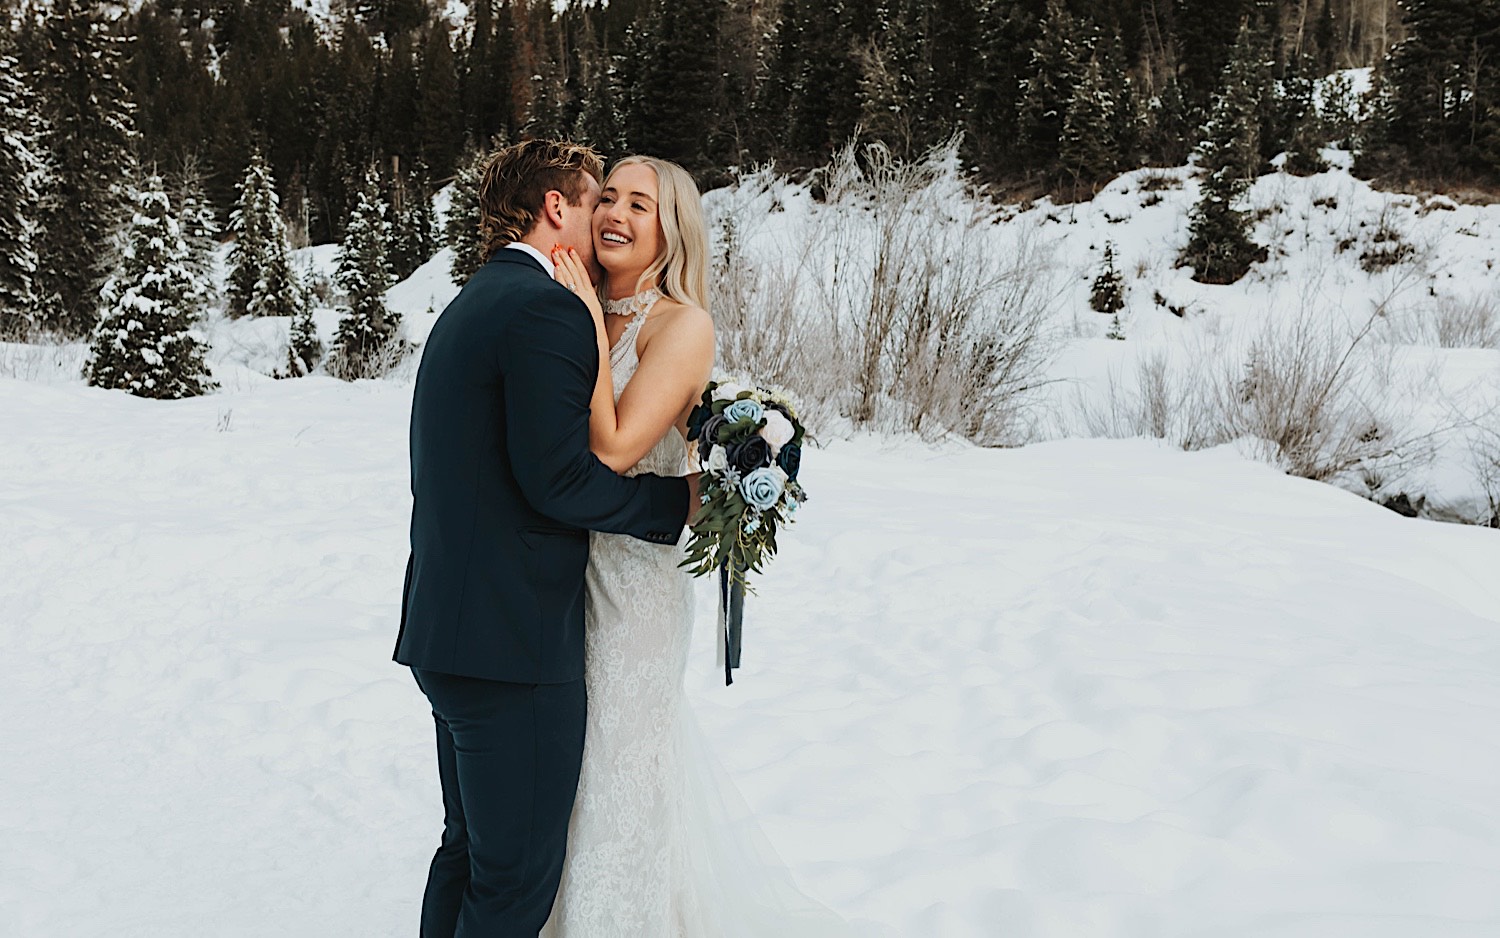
(614, 238)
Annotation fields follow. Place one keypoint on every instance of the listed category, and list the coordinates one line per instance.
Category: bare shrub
(1388, 245)
(43, 358)
(1312, 397)
(764, 330)
(1473, 322)
(1165, 402)
(893, 309)
(381, 361)
(1303, 396)
(1158, 181)
(1486, 465)
(1449, 322)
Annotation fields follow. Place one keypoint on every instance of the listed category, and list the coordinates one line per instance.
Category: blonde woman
(659, 846)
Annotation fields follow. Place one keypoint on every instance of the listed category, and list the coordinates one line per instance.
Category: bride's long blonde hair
(680, 271)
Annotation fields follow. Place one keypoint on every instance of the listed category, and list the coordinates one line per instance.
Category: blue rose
(745, 409)
(762, 488)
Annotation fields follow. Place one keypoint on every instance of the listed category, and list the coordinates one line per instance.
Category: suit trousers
(508, 758)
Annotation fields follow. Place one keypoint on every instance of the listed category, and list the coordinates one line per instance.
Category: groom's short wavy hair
(515, 183)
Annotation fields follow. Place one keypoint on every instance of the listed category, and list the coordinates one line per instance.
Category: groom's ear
(552, 207)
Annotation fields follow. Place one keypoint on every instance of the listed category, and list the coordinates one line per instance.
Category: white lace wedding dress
(659, 845)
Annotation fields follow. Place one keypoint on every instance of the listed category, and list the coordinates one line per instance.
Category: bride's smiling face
(627, 230)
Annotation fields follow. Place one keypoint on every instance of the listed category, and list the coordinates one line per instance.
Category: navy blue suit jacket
(504, 487)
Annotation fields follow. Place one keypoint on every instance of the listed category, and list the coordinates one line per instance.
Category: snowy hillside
(1403, 287)
(1089, 688)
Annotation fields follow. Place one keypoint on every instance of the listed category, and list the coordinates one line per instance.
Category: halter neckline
(633, 306)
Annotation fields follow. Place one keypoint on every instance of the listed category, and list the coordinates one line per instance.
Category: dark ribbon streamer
(732, 615)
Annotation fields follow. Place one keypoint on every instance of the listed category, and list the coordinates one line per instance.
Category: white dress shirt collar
(543, 259)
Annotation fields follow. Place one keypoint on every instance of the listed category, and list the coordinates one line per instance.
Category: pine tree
(462, 228)
(598, 123)
(1231, 140)
(304, 347)
(1058, 59)
(412, 227)
(89, 137)
(250, 223)
(367, 336)
(810, 101)
(200, 226)
(439, 121)
(1323, 39)
(485, 94)
(1170, 128)
(1219, 248)
(678, 84)
(1088, 150)
(1116, 329)
(278, 291)
(1126, 126)
(1203, 31)
(1439, 110)
(143, 343)
(1108, 292)
(1004, 32)
(22, 165)
(896, 80)
(1298, 122)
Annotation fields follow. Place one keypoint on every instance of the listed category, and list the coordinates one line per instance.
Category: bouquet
(750, 450)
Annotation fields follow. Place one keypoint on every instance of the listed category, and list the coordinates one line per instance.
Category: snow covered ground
(1085, 688)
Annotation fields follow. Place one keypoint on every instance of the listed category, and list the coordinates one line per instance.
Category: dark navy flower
(750, 455)
(696, 420)
(790, 460)
(710, 430)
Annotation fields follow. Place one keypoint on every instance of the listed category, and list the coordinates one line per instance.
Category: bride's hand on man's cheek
(571, 273)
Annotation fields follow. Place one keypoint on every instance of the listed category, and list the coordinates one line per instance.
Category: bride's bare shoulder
(684, 322)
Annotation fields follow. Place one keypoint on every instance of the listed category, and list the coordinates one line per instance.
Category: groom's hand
(694, 501)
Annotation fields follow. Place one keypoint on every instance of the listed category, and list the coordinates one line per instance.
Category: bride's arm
(671, 376)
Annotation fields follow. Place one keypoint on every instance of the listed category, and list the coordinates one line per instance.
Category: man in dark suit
(504, 493)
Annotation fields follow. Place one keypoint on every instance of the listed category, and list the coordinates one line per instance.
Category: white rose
(718, 461)
(728, 391)
(778, 430)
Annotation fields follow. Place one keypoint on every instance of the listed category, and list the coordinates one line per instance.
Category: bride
(659, 844)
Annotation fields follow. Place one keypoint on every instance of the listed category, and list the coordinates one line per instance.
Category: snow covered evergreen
(248, 223)
(143, 342)
(462, 228)
(1219, 247)
(304, 347)
(89, 138)
(1088, 149)
(413, 228)
(1107, 294)
(22, 164)
(262, 280)
(367, 343)
(200, 226)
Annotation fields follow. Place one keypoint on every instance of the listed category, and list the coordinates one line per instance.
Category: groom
(505, 492)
